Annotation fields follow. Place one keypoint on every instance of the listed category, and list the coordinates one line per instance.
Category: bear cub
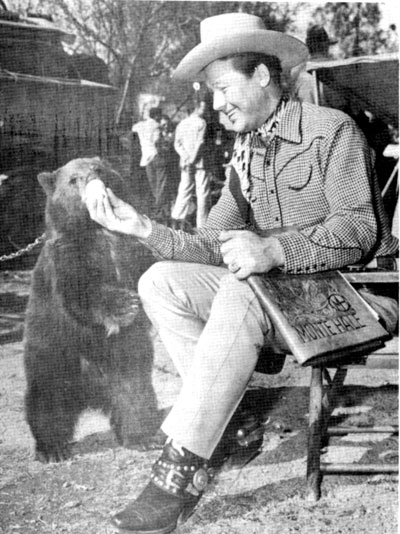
(87, 341)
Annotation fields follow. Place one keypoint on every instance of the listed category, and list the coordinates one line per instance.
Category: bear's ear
(47, 181)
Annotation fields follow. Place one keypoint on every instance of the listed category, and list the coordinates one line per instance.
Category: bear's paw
(117, 307)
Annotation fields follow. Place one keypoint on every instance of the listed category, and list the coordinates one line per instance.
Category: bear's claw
(52, 454)
(118, 307)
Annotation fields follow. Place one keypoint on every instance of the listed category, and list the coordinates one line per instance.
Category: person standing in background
(171, 161)
(189, 144)
(304, 86)
(153, 159)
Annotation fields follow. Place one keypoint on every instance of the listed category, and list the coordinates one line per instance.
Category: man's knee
(188, 285)
(153, 279)
(166, 279)
(237, 297)
(231, 287)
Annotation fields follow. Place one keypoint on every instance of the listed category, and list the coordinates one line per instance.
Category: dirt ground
(265, 496)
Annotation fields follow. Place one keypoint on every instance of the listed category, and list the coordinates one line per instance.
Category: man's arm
(178, 145)
(202, 246)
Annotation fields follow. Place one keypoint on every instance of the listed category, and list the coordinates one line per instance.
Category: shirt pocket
(297, 172)
(300, 178)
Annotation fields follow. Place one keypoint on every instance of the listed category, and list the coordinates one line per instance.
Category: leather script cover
(318, 315)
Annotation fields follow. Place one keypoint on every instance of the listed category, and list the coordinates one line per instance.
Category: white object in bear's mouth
(95, 191)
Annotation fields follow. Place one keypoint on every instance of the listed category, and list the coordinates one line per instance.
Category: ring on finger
(233, 267)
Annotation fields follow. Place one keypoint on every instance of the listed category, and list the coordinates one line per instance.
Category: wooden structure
(59, 119)
(322, 403)
(48, 115)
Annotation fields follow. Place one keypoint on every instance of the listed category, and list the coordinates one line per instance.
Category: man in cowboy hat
(301, 198)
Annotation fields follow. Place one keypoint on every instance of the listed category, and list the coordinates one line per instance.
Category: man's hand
(246, 253)
(118, 216)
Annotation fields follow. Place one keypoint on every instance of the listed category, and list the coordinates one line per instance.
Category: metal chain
(24, 250)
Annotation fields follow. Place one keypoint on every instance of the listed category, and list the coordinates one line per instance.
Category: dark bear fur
(86, 340)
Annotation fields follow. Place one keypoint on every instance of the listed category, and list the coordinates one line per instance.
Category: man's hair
(155, 113)
(247, 62)
(190, 107)
(193, 104)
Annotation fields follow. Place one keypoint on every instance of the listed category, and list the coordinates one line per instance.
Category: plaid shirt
(316, 175)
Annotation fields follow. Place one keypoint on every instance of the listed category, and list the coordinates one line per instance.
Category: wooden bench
(323, 395)
(321, 405)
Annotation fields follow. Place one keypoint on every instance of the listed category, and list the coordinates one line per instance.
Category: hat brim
(289, 50)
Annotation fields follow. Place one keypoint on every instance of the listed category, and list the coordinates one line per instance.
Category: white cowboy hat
(232, 33)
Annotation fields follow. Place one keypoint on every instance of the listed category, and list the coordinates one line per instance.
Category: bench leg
(314, 436)
(320, 410)
(329, 400)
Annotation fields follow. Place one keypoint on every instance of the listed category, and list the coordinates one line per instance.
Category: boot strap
(181, 480)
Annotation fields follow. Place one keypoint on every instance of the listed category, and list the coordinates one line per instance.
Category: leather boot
(176, 485)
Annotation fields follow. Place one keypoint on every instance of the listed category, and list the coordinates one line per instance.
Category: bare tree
(143, 41)
(356, 26)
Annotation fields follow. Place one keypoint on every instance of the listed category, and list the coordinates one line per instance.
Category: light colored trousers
(213, 328)
(193, 180)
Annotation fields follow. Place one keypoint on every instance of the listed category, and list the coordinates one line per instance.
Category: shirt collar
(289, 127)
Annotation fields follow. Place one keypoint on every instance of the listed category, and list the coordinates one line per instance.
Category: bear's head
(65, 188)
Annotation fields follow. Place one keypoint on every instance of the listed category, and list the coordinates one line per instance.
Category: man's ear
(47, 181)
(263, 74)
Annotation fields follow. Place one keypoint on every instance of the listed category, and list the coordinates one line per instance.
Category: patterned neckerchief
(267, 130)
(244, 142)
